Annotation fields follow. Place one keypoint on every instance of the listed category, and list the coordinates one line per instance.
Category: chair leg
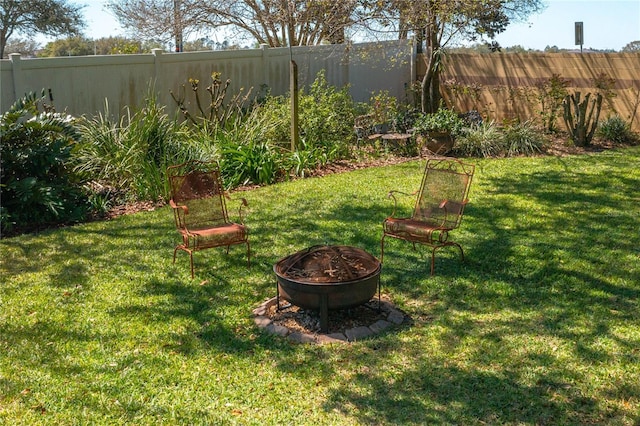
(461, 251)
(382, 248)
(248, 255)
(450, 243)
(433, 259)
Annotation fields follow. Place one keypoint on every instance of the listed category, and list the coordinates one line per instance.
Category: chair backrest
(443, 192)
(198, 186)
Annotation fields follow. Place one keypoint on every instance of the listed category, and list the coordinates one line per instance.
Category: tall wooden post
(293, 89)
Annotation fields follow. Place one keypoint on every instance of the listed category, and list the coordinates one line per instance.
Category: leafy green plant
(304, 160)
(444, 120)
(522, 139)
(551, 94)
(616, 129)
(247, 156)
(255, 150)
(39, 186)
(326, 116)
(485, 140)
(405, 119)
(131, 153)
(254, 162)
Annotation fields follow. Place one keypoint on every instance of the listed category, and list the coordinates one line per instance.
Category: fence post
(158, 80)
(16, 71)
(265, 65)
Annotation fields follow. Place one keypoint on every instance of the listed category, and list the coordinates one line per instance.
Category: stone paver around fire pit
(345, 325)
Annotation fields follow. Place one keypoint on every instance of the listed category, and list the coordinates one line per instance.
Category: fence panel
(504, 86)
(81, 85)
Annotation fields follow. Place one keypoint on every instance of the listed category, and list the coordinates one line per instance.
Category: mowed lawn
(539, 325)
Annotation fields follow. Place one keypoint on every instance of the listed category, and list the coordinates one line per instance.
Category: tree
(70, 46)
(116, 45)
(49, 17)
(632, 47)
(275, 23)
(287, 22)
(439, 22)
(26, 47)
(279, 23)
(160, 20)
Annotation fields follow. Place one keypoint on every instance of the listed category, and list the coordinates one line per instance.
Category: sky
(608, 24)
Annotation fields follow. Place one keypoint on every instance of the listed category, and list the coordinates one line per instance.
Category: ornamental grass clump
(617, 130)
(484, 140)
(522, 139)
(131, 153)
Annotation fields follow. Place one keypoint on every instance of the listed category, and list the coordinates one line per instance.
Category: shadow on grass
(518, 263)
(434, 393)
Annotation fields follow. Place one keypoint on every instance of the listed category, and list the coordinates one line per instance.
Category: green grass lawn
(539, 325)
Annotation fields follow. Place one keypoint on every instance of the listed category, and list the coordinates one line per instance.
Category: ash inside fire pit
(327, 264)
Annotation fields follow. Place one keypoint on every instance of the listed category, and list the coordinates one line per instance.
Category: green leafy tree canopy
(49, 17)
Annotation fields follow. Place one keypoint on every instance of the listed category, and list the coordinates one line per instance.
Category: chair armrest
(455, 210)
(175, 206)
(392, 194)
(243, 203)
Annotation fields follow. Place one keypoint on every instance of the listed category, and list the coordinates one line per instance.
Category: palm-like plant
(38, 184)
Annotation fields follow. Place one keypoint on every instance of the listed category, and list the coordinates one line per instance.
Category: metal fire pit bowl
(327, 278)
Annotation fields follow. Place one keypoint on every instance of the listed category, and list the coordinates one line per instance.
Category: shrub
(443, 120)
(616, 129)
(217, 111)
(523, 139)
(484, 140)
(327, 116)
(382, 107)
(405, 119)
(38, 183)
(256, 150)
(551, 94)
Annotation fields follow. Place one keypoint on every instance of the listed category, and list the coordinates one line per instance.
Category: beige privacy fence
(508, 86)
(81, 85)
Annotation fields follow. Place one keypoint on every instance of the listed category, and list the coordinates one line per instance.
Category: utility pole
(177, 22)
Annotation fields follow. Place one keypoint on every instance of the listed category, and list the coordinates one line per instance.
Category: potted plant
(437, 131)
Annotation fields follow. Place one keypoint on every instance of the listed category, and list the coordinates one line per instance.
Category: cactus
(581, 123)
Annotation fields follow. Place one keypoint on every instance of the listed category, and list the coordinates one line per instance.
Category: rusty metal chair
(200, 211)
(439, 207)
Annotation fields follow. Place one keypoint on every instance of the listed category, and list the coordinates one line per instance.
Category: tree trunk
(430, 86)
(3, 41)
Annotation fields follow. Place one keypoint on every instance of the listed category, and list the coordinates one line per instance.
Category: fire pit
(326, 278)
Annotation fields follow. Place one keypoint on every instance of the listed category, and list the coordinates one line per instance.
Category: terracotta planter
(436, 142)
